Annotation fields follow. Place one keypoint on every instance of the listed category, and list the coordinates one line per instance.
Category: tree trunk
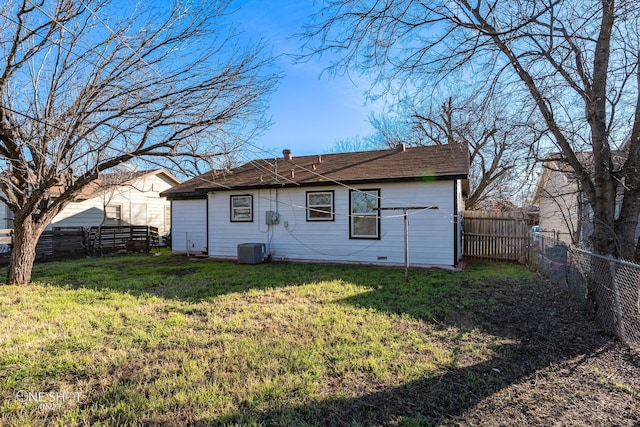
(603, 239)
(23, 252)
(626, 226)
(604, 201)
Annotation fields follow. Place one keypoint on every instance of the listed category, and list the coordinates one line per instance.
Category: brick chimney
(286, 153)
(401, 148)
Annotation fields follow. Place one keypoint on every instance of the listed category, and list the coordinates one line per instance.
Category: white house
(345, 207)
(114, 199)
(564, 208)
(118, 199)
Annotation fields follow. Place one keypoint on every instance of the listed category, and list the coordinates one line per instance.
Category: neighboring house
(123, 198)
(563, 206)
(329, 208)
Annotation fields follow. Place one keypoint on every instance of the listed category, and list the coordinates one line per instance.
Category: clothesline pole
(406, 245)
(405, 215)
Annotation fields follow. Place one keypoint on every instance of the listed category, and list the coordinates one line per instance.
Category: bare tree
(576, 62)
(86, 85)
(500, 150)
(359, 143)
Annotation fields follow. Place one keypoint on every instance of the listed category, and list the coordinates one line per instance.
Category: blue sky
(310, 112)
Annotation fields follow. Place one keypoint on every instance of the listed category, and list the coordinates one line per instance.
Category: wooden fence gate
(501, 236)
(122, 239)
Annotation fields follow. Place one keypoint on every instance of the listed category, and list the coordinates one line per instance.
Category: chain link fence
(610, 287)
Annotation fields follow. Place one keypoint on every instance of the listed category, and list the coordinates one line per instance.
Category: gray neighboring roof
(435, 162)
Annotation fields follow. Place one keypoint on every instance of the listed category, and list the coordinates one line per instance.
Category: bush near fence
(610, 287)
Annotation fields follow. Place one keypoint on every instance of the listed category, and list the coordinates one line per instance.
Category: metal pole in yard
(406, 245)
(405, 210)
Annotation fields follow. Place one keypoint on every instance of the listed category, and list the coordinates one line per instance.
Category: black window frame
(352, 216)
(332, 215)
(231, 207)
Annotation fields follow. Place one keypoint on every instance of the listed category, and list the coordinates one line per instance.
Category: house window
(8, 218)
(241, 208)
(320, 205)
(113, 215)
(364, 220)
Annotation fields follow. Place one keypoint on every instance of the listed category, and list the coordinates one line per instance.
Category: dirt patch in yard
(561, 370)
(552, 366)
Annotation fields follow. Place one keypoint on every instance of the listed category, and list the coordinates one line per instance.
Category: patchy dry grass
(171, 341)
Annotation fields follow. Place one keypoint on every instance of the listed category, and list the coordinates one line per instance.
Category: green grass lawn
(168, 340)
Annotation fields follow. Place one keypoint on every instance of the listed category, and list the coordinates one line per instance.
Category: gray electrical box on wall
(271, 218)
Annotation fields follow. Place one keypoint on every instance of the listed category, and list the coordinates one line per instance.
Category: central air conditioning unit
(251, 253)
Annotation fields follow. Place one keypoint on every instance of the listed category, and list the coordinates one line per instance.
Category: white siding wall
(559, 207)
(189, 226)
(141, 205)
(155, 205)
(80, 214)
(431, 232)
(459, 218)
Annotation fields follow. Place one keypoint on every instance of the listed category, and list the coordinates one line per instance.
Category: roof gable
(108, 181)
(411, 164)
(555, 165)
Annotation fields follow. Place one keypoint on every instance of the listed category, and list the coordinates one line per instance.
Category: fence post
(543, 258)
(616, 298)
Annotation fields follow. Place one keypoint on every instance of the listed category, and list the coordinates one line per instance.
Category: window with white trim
(364, 220)
(242, 208)
(320, 206)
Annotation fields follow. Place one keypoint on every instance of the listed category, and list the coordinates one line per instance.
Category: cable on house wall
(333, 252)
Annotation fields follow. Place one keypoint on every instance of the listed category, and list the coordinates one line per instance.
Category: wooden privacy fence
(60, 243)
(502, 236)
(116, 239)
(78, 242)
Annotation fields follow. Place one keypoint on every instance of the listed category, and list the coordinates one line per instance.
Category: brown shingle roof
(108, 181)
(413, 164)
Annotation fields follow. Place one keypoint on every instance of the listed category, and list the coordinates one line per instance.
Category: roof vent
(286, 153)
(401, 148)
(319, 158)
(293, 173)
